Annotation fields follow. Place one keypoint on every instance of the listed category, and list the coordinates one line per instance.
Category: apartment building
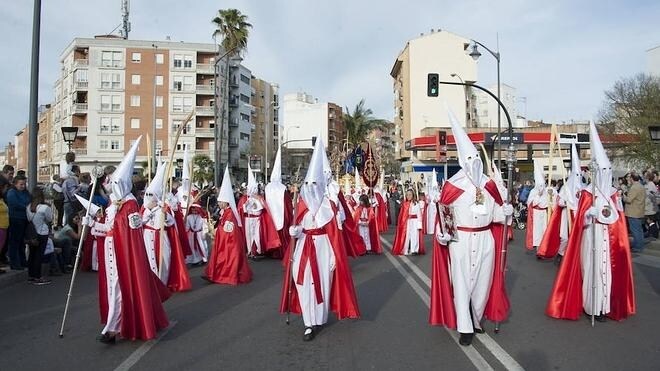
(486, 107)
(265, 121)
(46, 169)
(21, 140)
(8, 156)
(438, 52)
(383, 144)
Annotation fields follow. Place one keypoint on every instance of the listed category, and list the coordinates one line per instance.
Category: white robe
(252, 227)
(153, 219)
(195, 233)
(111, 273)
(603, 276)
(540, 216)
(411, 244)
(431, 213)
(95, 256)
(363, 228)
(473, 254)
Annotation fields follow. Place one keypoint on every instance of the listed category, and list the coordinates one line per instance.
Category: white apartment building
(653, 61)
(303, 117)
(439, 52)
(486, 107)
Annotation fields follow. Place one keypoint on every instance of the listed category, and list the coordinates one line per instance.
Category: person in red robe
(228, 263)
(317, 278)
(408, 238)
(280, 205)
(135, 293)
(367, 224)
(382, 216)
(604, 289)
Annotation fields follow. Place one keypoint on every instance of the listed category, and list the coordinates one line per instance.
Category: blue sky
(560, 55)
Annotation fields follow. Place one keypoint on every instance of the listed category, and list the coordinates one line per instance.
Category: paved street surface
(238, 328)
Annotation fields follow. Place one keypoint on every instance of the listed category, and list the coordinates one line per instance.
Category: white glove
(561, 202)
(443, 238)
(88, 221)
(507, 209)
(592, 212)
(295, 231)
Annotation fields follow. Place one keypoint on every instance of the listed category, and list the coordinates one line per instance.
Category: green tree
(203, 170)
(361, 123)
(630, 107)
(234, 29)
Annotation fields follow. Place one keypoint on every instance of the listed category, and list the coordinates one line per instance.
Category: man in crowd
(634, 201)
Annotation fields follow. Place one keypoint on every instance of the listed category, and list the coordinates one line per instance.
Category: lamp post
(654, 133)
(153, 124)
(69, 133)
(267, 138)
(475, 54)
(286, 132)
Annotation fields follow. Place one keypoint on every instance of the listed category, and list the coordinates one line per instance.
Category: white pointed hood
(433, 188)
(332, 186)
(92, 209)
(468, 156)
(539, 179)
(314, 187)
(227, 195)
(574, 181)
(157, 185)
(607, 211)
(274, 192)
(121, 181)
(252, 187)
(358, 183)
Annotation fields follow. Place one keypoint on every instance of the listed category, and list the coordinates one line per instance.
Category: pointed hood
(433, 188)
(157, 185)
(227, 195)
(604, 171)
(314, 186)
(92, 209)
(327, 169)
(539, 179)
(252, 187)
(468, 156)
(358, 184)
(574, 181)
(121, 181)
(276, 173)
(499, 182)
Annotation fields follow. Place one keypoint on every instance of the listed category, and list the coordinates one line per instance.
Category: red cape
(181, 229)
(400, 234)
(381, 213)
(142, 292)
(228, 263)
(442, 311)
(373, 228)
(352, 241)
(424, 218)
(343, 300)
(550, 243)
(283, 233)
(179, 279)
(268, 235)
(566, 301)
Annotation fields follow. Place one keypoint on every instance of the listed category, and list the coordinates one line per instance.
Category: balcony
(205, 68)
(233, 83)
(233, 142)
(82, 131)
(205, 89)
(233, 102)
(233, 123)
(81, 63)
(79, 109)
(204, 132)
(80, 85)
(79, 151)
(204, 111)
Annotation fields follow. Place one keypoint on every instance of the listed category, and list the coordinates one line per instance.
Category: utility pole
(33, 125)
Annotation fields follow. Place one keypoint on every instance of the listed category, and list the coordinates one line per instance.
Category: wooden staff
(149, 158)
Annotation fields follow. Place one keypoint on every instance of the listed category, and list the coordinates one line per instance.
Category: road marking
(142, 350)
(498, 352)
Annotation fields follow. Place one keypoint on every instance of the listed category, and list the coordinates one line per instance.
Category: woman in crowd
(408, 238)
(41, 216)
(18, 198)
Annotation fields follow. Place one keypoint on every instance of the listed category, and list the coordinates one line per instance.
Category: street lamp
(654, 133)
(153, 128)
(286, 132)
(69, 133)
(475, 54)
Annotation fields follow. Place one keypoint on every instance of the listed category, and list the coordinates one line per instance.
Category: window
(160, 59)
(136, 57)
(105, 127)
(245, 99)
(245, 137)
(115, 145)
(159, 80)
(187, 104)
(116, 103)
(135, 101)
(187, 63)
(105, 103)
(212, 124)
(115, 127)
(110, 59)
(159, 145)
(177, 104)
(178, 60)
(116, 81)
(105, 81)
(177, 83)
(159, 123)
(159, 101)
(103, 144)
(135, 79)
(245, 79)
(188, 83)
(245, 117)
(135, 123)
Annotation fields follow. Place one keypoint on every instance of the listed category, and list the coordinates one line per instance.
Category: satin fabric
(228, 263)
(400, 234)
(566, 301)
(550, 243)
(181, 232)
(179, 279)
(381, 213)
(343, 300)
(352, 241)
(374, 238)
(142, 312)
(270, 239)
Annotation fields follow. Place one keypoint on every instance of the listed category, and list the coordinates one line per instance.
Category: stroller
(520, 216)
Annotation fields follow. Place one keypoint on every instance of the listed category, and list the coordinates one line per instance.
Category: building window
(245, 137)
(178, 60)
(177, 83)
(245, 117)
(105, 102)
(103, 144)
(159, 101)
(115, 145)
(187, 104)
(159, 80)
(160, 59)
(159, 145)
(115, 127)
(135, 101)
(136, 57)
(159, 123)
(188, 83)
(245, 99)
(177, 104)
(116, 81)
(106, 81)
(187, 63)
(135, 123)
(105, 127)
(245, 79)
(212, 124)
(110, 59)
(116, 103)
(135, 79)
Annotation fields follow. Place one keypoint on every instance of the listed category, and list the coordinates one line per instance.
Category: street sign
(568, 138)
(408, 145)
(490, 138)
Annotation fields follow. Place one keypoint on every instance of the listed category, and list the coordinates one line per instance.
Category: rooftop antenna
(125, 24)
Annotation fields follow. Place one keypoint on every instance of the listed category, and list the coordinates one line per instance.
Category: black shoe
(479, 330)
(600, 318)
(207, 279)
(106, 338)
(557, 259)
(309, 334)
(466, 338)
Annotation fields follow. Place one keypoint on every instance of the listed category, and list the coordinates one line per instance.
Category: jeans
(637, 233)
(59, 206)
(69, 209)
(66, 244)
(17, 243)
(36, 257)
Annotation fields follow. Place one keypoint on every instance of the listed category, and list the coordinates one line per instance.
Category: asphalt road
(239, 328)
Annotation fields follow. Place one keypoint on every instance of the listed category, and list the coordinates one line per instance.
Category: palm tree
(361, 123)
(202, 170)
(234, 29)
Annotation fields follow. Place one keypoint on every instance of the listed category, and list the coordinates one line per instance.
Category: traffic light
(432, 85)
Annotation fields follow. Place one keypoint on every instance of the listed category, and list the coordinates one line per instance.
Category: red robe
(343, 300)
(442, 311)
(270, 239)
(373, 228)
(381, 213)
(181, 231)
(284, 232)
(550, 243)
(228, 263)
(352, 241)
(400, 234)
(142, 312)
(566, 301)
(88, 245)
(179, 279)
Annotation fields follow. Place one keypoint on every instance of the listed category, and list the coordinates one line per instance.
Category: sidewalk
(652, 247)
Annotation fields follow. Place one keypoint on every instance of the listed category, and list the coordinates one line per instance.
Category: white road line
(142, 350)
(490, 344)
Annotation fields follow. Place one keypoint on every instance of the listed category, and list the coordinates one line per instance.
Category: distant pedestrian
(18, 198)
(40, 214)
(634, 201)
(4, 220)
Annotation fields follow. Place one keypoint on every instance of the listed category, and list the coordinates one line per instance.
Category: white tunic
(111, 274)
(194, 229)
(603, 276)
(413, 225)
(95, 256)
(253, 207)
(538, 204)
(363, 228)
(152, 220)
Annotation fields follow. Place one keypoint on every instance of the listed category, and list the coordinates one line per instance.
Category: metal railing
(204, 110)
(205, 68)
